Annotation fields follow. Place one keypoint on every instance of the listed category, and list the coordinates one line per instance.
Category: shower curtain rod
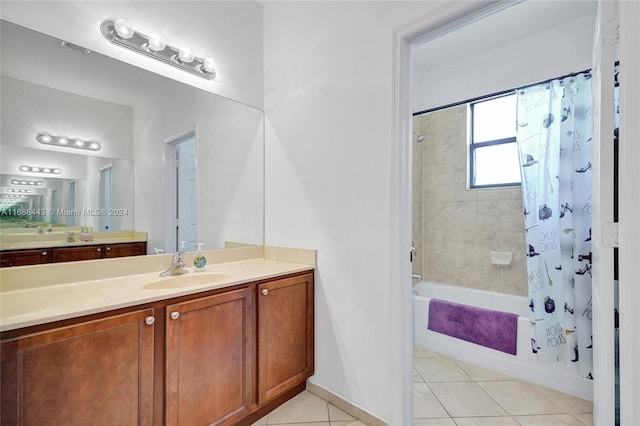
(503, 92)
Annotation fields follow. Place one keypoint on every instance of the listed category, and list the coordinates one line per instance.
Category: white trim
(602, 200)
(629, 177)
(436, 23)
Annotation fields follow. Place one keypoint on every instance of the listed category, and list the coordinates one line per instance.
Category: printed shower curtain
(554, 130)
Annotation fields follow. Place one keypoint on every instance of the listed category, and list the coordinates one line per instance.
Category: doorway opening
(430, 27)
(181, 194)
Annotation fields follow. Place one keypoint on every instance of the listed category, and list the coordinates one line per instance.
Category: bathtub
(523, 365)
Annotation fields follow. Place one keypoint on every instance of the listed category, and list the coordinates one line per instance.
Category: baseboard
(346, 406)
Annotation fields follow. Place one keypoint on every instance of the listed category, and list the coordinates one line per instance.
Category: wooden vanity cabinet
(94, 373)
(209, 358)
(24, 257)
(124, 249)
(70, 254)
(285, 334)
(221, 357)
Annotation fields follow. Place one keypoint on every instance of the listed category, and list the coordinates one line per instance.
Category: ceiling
(518, 21)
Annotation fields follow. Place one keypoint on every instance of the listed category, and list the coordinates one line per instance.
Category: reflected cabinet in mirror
(92, 143)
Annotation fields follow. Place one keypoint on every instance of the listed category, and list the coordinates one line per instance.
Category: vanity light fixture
(119, 32)
(18, 191)
(38, 169)
(47, 139)
(26, 182)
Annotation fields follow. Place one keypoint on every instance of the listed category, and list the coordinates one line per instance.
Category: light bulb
(46, 170)
(156, 44)
(39, 183)
(123, 28)
(62, 141)
(42, 138)
(95, 146)
(208, 66)
(35, 169)
(79, 143)
(186, 55)
(24, 168)
(56, 171)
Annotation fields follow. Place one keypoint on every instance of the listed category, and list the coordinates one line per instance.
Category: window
(493, 153)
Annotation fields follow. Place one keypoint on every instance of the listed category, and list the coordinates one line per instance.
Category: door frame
(441, 21)
(432, 25)
(629, 212)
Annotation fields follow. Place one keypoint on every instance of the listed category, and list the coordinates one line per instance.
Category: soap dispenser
(199, 261)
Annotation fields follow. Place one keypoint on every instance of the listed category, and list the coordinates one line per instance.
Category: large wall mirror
(144, 125)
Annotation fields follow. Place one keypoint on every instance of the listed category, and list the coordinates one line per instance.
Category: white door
(603, 214)
(186, 229)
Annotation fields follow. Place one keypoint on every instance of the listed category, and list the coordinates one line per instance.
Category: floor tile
(480, 374)
(585, 418)
(520, 398)
(440, 369)
(419, 352)
(337, 415)
(434, 422)
(417, 378)
(425, 404)
(569, 403)
(303, 408)
(486, 421)
(465, 399)
(548, 420)
(348, 423)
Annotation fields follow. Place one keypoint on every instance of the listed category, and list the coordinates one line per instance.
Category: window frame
(494, 142)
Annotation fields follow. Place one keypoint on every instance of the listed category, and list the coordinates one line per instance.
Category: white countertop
(43, 304)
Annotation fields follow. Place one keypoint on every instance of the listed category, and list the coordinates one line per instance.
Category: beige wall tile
(459, 228)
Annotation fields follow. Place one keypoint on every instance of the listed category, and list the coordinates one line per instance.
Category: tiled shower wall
(456, 229)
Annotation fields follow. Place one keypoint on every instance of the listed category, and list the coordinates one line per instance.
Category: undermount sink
(186, 280)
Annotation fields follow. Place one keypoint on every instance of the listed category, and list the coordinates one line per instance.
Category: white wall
(228, 31)
(229, 164)
(551, 53)
(328, 103)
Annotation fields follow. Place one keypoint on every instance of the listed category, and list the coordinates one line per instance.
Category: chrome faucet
(177, 265)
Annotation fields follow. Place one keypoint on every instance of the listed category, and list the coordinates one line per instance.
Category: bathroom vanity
(224, 346)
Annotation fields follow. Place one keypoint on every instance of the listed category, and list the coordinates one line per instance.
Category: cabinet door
(126, 249)
(209, 360)
(23, 257)
(70, 254)
(95, 373)
(285, 334)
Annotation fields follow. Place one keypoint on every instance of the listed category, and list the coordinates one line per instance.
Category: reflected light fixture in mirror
(26, 182)
(119, 32)
(47, 139)
(39, 169)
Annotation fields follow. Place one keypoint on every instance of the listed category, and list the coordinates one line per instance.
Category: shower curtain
(554, 130)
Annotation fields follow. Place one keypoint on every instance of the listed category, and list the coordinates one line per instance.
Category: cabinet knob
(264, 291)
(44, 253)
(175, 315)
(108, 248)
(99, 249)
(149, 320)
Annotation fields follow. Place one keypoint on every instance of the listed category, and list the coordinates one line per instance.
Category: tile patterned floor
(306, 409)
(447, 392)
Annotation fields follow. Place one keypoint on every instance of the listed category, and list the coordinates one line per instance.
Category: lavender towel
(493, 329)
